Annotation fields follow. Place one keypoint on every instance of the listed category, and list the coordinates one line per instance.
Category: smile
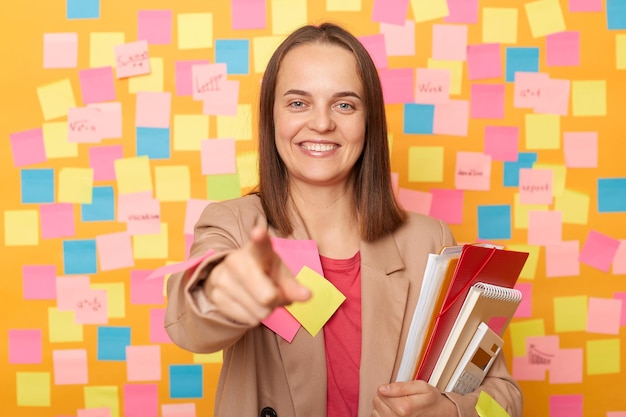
(318, 147)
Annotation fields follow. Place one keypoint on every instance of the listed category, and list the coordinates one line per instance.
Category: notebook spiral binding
(499, 293)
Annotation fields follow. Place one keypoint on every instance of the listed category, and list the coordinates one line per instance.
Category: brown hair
(377, 208)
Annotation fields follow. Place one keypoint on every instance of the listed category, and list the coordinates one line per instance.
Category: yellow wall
(571, 308)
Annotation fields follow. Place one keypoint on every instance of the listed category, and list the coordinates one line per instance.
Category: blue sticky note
(235, 53)
(153, 142)
(112, 342)
(83, 9)
(79, 256)
(522, 60)
(37, 185)
(186, 381)
(102, 207)
(611, 195)
(511, 169)
(418, 118)
(494, 222)
(616, 14)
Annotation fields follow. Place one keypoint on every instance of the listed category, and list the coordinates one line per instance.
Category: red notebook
(476, 264)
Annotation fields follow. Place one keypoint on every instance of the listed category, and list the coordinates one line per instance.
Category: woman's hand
(250, 282)
(412, 399)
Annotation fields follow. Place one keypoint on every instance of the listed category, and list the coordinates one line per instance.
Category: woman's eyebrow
(336, 95)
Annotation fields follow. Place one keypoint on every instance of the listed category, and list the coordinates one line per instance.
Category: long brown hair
(377, 208)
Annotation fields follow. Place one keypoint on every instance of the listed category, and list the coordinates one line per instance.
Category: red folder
(476, 264)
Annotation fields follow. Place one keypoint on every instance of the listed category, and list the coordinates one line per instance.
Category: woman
(324, 175)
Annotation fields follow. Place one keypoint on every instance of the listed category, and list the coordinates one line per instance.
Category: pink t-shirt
(342, 335)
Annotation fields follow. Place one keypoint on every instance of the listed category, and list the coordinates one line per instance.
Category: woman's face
(319, 115)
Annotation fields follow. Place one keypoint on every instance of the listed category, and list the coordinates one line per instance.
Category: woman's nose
(321, 119)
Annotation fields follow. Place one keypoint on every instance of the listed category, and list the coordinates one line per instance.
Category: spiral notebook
(492, 304)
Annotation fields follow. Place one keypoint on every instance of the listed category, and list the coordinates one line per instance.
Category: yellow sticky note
(102, 48)
(343, 5)
(195, 30)
(543, 131)
(424, 10)
(116, 299)
(102, 397)
(488, 407)
(262, 49)
(215, 357)
(545, 17)
(520, 212)
(426, 164)
(603, 356)
(148, 82)
(62, 326)
(248, 169)
(189, 131)
(21, 227)
(529, 271)
(325, 300)
(520, 330)
(499, 25)
(620, 51)
(559, 174)
(574, 207)
(133, 174)
(456, 72)
(288, 15)
(570, 313)
(56, 98)
(239, 126)
(75, 185)
(55, 141)
(151, 246)
(33, 389)
(589, 98)
(172, 183)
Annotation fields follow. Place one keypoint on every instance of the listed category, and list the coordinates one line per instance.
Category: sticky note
(184, 80)
(574, 206)
(287, 15)
(239, 126)
(521, 59)
(153, 109)
(195, 30)
(499, 25)
(70, 366)
(186, 381)
(426, 164)
(543, 131)
(79, 256)
(57, 220)
(62, 327)
(619, 266)
(451, 118)
(152, 246)
(157, 330)
(94, 412)
(207, 80)
(141, 400)
(535, 186)
(462, 11)
(91, 307)
(501, 142)
(110, 126)
(27, 147)
(101, 208)
(447, 205)
(566, 405)
(529, 89)
(558, 174)
(33, 389)
(424, 10)
(391, 12)
(21, 227)
(262, 49)
(449, 42)
(218, 156)
(522, 372)
(145, 290)
(24, 346)
(193, 210)
(37, 185)
(189, 130)
(521, 212)
(148, 82)
(133, 175)
(248, 169)
(60, 50)
(585, 5)
(494, 222)
(484, 61)
(102, 48)
(566, 367)
(172, 183)
(520, 330)
(102, 396)
(343, 5)
(155, 26)
(189, 409)
(589, 98)
(75, 185)
(143, 363)
(112, 343)
(530, 267)
(570, 313)
(563, 49)
(431, 86)
(562, 259)
(222, 187)
(616, 14)
(620, 51)
(223, 102)
(55, 98)
(153, 142)
(545, 17)
(603, 356)
(248, 14)
(114, 251)
(511, 169)
(611, 193)
(472, 171)
(215, 357)
(84, 125)
(97, 85)
(83, 9)
(604, 315)
(556, 97)
(39, 282)
(235, 53)
(375, 46)
(115, 296)
(544, 227)
(395, 83)
(132, 59)
(70, 290)
(487, 101)
(141, 214)
(56, 143)
(101, 161)
(486, 406)
(418, 118)
(524, 309)
(599, 250)
(399, 39)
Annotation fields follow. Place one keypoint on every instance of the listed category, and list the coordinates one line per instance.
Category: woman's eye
(345, 106)
(297, 104)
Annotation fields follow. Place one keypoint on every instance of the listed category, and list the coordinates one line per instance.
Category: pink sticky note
(181, 410)
(141, 213)
(616, 414)
(188, 243)
(60, 50)
(462, 11)
(222, 102)
(399, 39)
(397, 85)
(132, 59)
(70, 366)
(390, 11)
(585, 6)
(92, 307)
(141, 400)
(248, 14)
(528, 88)
(487, 101)
(522, 372)
(281, 322)
(619, 260)
(563, 49)
(157, 330)
(414, 200)
(473, 171)
(566, 405)
(94, 412)
(541, 350)
(126, 204)
(562, 259)
(206, 79)
(604, 315)
(143, 363)
(450, 42)
(193, 210)
(218, 156)
(621, 296)
(497, 324)
(566, 367)
(145, 291)
(179, 267)
(556, 98)
(545, 227)
(451, 118)
(184, 83)
(83, 125)
(447, 205)
(39, 282)
(535, 186)
(524, 309)
(97, 84)
(153, 109)
(501, 142)
(57, 220)
(110, 119)
(580, 149)
(115, 251)
(25, 346)
(155, 26)
(432, 86)
(375, 45)
(102, 158)
(599, 250)
(27, 147)
(297, 254)
(70, 291)
(484, 61)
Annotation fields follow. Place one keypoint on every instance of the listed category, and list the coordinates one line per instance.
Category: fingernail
(384, 388)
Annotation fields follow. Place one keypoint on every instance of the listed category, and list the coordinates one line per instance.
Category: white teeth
(318, 147)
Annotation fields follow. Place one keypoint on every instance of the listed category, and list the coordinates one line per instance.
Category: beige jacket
(260, 369)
